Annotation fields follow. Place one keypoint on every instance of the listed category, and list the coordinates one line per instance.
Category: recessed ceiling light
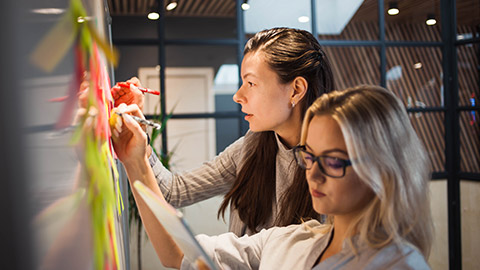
(393, 9)
(417, 65)
(153, 15)
(431, 20)
(54, 11)
(303, 19)
(171, 6)
(245, 6)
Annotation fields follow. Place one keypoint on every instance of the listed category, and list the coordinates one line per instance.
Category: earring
(293, 104)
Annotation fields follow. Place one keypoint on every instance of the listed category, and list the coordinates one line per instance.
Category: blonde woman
(366, 171)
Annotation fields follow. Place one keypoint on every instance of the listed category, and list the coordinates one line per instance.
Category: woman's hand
(130, 95)
(129, 139)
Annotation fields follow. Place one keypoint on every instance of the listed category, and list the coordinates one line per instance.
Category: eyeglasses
(329, 166)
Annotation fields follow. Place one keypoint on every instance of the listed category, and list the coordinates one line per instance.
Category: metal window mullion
(383, 47)
(162, 63)
(242, 126)
(452, 162)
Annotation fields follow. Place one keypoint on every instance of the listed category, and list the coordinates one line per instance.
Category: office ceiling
(410, 10)
(186, 8)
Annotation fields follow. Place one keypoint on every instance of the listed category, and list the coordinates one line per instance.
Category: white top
(298, 247)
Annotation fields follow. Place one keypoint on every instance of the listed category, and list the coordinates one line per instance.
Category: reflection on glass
(468, 76)
(333, 16)
(430, 129)
(470, 141)
(415, 75)
(414, 21)
(191, 142)
(467, 18)
(226, 80)
(354, 65)
(132, 58)
(284, 13)
(347, 19)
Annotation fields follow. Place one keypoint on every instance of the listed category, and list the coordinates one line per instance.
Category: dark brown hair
(291, 53)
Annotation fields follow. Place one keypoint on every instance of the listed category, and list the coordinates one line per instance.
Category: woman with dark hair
(283, 71)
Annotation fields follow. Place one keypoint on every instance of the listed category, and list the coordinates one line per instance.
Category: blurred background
(427, 52)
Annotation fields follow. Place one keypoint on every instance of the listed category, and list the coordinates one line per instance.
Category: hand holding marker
(113, 117)
(145, 90)
(143, 121)
(113, 120)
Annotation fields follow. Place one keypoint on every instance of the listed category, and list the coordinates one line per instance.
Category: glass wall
(410, 47)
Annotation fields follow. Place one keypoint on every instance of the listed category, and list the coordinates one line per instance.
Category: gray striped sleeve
(212, 178)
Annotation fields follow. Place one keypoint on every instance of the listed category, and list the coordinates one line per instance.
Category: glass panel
(132, 58)
(200, 28)
(468, 19)
(274, 13)
(227, 129)
(133, 27)
(347, 20)
(196, 61)
(470, 141)
(430, 129)
(415, 75)
(416, 20)
(438, 202)
(201, 56)
(59, 212)
(469, 201)
(354, 65)
(191, 142)
(468, 76)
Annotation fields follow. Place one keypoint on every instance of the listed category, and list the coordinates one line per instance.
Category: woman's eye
(308, 158)
(333, 163)
(250, 84)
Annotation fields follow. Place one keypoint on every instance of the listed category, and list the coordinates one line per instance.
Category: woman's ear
(300, 86)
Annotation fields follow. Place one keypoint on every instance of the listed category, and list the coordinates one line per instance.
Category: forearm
(169, 253)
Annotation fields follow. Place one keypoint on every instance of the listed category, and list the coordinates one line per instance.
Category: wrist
(137, 167)
(149, 151)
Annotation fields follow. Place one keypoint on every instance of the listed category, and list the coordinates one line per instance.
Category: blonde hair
(387, 156)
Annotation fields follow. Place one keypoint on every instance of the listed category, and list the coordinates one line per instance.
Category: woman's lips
(316, 193)
(248, 116)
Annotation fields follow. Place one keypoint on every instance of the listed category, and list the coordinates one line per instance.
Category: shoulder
(296, 232)
(400, 256)
(248, 139)
(251, 137)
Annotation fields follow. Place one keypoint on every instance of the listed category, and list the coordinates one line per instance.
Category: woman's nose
(315, 174)
(238, 96)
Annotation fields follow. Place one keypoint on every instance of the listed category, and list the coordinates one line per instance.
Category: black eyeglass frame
(301, 148)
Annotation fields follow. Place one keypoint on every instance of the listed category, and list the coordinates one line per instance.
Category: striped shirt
(217, 176)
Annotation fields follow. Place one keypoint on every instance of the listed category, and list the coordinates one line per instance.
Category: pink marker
(145, 90)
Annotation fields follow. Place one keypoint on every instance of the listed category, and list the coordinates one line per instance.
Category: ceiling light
(171, 6)
(153, 15)
(431, 19)
(245, 5)
(303, 19)
(153, 12)
(417, 65)
(54, 11)
(393, 8)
